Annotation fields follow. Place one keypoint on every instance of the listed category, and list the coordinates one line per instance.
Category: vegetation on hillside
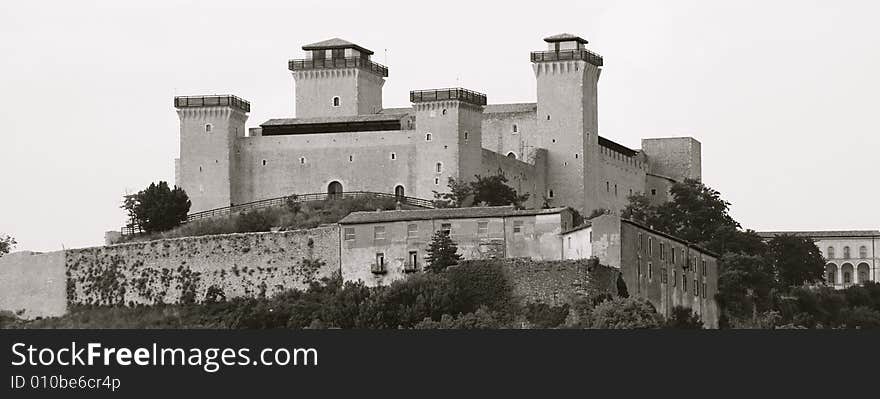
(157, 208)
(483, 191)
(294, 215)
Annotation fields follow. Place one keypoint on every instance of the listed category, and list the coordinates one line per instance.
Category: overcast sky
(783, 95)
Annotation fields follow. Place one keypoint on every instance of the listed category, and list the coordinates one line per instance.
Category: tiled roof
(443, 213)
(822, 234)
(510, 108)
(564, 37)
(335, 43)
(334, 119)
(671, 237)
(576, 228)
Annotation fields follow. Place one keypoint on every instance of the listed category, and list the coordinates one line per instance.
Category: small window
(653, 191)
(335, 101)
(650, 246)
(515, 129)
(674, 277)
(351, 158)
(264, 162)
(845, 252)
(380, 260)
(444, 111)
(672, 254)
(615, 190)
(639, 242)
(428, 137)
(650, 271)
(608, 187)
(684, 282)
(349, 234)
(446, 228)
(704, 269)
(550, 194)
(436, 181)
(517, 227)
(393, 156)
(302, 160)
(696, 288)
(200, 168)
(548, 117)
(662, 251)
(465, 136)
(412, 230)
(639, 267)
(569, 242)
(830, 252)
(511, 155)
(663, 277)
(439, 167)
(554, 140)
(483, 229)
(379, 233)
(576, 155)
(863, 252)
(208, 128)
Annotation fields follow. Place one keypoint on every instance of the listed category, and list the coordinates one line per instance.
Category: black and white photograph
(309, 182)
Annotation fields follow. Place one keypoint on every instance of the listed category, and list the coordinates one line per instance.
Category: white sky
(782, 94)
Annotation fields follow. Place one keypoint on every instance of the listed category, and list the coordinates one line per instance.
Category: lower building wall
(559, 282)
(33, 284)
(524, 177)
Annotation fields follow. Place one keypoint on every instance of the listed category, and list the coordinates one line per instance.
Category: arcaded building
(344, 139)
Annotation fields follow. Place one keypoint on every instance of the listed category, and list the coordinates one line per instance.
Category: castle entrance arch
(334, 189)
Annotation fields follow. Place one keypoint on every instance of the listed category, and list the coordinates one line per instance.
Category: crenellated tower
(567, 77)
(337, 78)
(448, 133)
(209, 127)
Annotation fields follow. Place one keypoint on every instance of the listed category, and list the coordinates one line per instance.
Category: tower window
(653, 191)
(554, 140)
(302, 160)
(576, 155)
(465, 136)
(607, 187)
(335, 101)
(548, 117)
(393, 156)
(439, 167)
(208, 128)
(428, 137)
(550, 194)
(436, 181)
(200, 168)
(264, 162)
(444, 111)
(351, 158)
(515, 129)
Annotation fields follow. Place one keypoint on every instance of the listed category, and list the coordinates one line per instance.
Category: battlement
(418, 96)
(212, 101)
(338, 63)
(568, 55)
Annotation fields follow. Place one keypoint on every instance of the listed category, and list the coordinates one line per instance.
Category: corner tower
(337, 78)
(567, 77)
(209, 126)
(449, 136)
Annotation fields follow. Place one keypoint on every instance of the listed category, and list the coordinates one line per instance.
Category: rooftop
(617, 147)
(335, 43)
(453, 93)
(444, 213)
(212, 101)
(670, 236)
(565, 37)
(822, 234)
(335, 124)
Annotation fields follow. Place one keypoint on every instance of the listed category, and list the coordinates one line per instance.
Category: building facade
(343, 139)
(851, 256)
(381, 247)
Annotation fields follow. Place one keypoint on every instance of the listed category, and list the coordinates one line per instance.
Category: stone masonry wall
(32, 284)
(182, 270)
(559, 282)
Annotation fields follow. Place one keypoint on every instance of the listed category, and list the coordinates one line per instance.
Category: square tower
(567, 77)
(337, 78)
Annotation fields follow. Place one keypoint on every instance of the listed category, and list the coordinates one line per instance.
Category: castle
(343, 139)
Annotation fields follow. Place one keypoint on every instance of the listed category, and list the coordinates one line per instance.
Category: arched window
(428, 137)
(550, 194)
(335, 101)
(831, 273)
(862, 273)
(846, 252)
(511, 155)
(830, 252)
(444, 111)
(335, 188)
(515, 128)
(465, 136)
(208, 128)
(863, 252)
(398, 191)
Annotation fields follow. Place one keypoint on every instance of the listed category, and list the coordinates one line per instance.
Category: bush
(682, 318)
(158, 207)
(542, 315)
(625, 313)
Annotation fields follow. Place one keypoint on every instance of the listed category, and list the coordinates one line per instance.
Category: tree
(625, 313)
(6, 244)
(460, 195)
(158, 207)
(744, 284)
(494, 191)
(796, 261)
(442, 252)
(640, 209)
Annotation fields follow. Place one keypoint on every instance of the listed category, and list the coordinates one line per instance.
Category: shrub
(542, 315)
(625, 313)
(682, 318)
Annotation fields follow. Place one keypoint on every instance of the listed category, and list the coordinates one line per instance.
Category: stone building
(663, 269)
(344, 139)
(851, 256)
(381, 247)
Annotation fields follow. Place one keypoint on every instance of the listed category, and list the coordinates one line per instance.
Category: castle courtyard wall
(33, 284)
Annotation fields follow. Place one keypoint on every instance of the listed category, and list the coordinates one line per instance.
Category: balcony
(566, 55)
(377, 268)
(336, 63)
(211, 101)
(410, 267)
(448, 94)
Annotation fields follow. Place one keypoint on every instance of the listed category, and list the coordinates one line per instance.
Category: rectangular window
(569, 242)
(672, 254)
(446, 228)
(349, 234)
(663, 277)
(380, 260)
(639, 242)
(650, 246)
(379, 233)
(696, 288)
(650, 271)
(662, 251)
(639, 267)
(482, 228)
(684, 282)
(704, 290)
(413, 259)
(517, 227)
(674, 277)
(704, 268)
(412, 230)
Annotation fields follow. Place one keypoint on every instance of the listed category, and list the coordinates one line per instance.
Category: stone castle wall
(558, 282)
(167, 271)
